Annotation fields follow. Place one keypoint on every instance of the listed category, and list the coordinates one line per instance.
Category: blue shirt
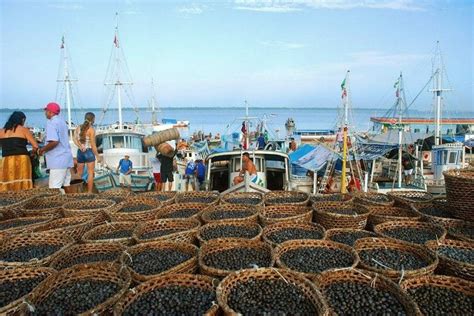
(261, 142)
(201, 171)
(190, 168)
(125, 165)
(60, 157)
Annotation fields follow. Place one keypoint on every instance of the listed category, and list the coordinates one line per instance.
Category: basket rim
(227, 223)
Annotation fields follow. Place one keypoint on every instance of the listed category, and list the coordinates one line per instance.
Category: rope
(286, 281)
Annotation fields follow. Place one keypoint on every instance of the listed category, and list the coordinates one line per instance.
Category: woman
(16, 171)
(84, 138)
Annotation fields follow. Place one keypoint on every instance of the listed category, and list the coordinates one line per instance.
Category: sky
(278, 53)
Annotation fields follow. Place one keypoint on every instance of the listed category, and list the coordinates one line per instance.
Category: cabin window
(452, 157)
(258, 164)
(441, 157)
(135, 143)
(118, 142)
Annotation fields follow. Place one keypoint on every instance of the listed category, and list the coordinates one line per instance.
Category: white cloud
(193, 9)
(285, 6)
(283, 45)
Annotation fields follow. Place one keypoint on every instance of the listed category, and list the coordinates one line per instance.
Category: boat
(316, 135)
(175, 123)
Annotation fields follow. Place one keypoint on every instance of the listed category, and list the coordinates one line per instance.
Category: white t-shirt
(156, 164)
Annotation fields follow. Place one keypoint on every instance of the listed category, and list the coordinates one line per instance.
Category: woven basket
(45, 206)
(20, 274)
(86, 207)
(172, 211)
(397, 275)
(446, 220)
(310, 243)
(237, 198)
(451, 266)
(332, 234)
(92, 236)
(376, 199)
(447, 282)
(219, 245)
(96, 271)
(74, 227)
(44, 191)
(324, 214)
(234, 279)
(407, 198)
(185, 230)
(198, 197)
(67, 257)
(455, 233)
(164, 197)
(383, 229)
(11, 199)
(285, 214)
(21, 224)
(117, 195)
(211, 226)
(382, 214)
(32, 239)
(329, 277)
(188, 266)
(292, 197)
(232, 213)
(459, 192)
(181, 280)
(334, 197)
(118, 215)
(82, 196)
(273, 228)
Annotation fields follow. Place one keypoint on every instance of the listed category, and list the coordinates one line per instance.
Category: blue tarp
(300, 152)
(315, 159)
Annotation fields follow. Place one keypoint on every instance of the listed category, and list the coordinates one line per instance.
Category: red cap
(53, 107)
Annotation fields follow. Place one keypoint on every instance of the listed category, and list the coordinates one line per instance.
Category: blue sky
(219, 53)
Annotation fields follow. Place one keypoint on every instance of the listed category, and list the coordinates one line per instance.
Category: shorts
(254, 178)
(157, 177)
(85, 156)
(167, 176)
(59, 178)
(190, 178)
(408, 172)
(125, 179)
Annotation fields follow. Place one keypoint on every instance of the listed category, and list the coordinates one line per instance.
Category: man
(407, 167)
(125, 167)
(57, 150)
(189, 174)
(166, 171)
(292, 145)
(261, 141)
(247, 166)
(200, 174)
(156, 165)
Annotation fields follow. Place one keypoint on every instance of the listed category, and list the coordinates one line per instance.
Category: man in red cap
(57, 150)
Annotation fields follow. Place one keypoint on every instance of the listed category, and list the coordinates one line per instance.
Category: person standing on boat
(57, 150)
(156, 165)
(125, 168)
(407, 167)
(84, 138)
(16, 164)
(261, 141)
(247, 166)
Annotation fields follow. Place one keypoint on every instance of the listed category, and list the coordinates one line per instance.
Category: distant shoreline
(97, 109)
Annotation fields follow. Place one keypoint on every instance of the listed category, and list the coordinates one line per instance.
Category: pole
(344, 155)
(438, 107)
(119, 100)
(400, 152)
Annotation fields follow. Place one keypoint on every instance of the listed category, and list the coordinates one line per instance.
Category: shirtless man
(247, 165)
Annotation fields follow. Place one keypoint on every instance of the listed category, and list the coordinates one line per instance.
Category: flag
(397, 86)
(344, 90)
(116, 41)
(62, 42)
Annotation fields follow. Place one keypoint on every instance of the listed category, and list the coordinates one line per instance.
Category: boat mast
(345, 125)
(154, 120)
(117, 70)
(437, 92)
(66, 78)
(400, 106)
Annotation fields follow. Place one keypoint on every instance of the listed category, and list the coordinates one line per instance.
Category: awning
(373, 151)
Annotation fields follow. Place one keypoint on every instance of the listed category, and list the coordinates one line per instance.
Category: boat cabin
(446, 157)
(272, 171)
